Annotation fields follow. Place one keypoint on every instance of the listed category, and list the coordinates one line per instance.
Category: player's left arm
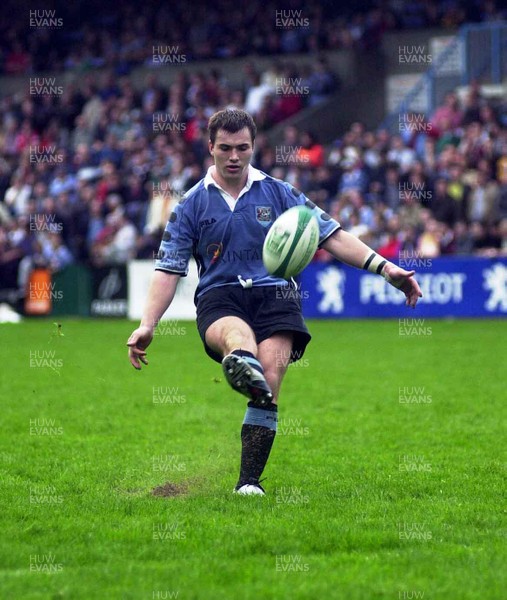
(348, 249)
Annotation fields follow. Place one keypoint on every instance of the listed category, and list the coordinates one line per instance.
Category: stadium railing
(475, 52)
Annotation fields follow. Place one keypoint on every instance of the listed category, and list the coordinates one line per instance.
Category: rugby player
(244, 321)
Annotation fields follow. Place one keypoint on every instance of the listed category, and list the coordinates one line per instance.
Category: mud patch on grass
(169, 490)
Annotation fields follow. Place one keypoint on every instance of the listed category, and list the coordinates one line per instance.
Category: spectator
(391, 188)
(116, 243)
(55, 254)
(311, 152)
(353, 176)
(16, 197)
(410, 209)
(502, 192)
(448, 116)
(473, 104)
(443, 207)
(95, 223)
(321, 82)
(483, 201)
(400, 154)
(429, 242)
(15, 245)
(502, 231)
(484, 243)
(355, 227)
(256, 95)
(458, 190)
(18, 60)
(391, 245)
(463, 241)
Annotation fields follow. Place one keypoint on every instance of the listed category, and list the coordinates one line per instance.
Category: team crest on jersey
(263, 215)
(214, 251)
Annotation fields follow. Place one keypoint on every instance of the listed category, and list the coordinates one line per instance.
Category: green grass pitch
(386, 480)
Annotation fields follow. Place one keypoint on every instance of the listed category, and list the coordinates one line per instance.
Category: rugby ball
(291, 242)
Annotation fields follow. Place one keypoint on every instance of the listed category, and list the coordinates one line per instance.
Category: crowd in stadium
(120, 36)
(91, 174)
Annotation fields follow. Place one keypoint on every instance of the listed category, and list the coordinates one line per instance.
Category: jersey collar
(253, 175)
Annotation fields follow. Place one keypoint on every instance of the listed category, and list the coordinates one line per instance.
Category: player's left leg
(233, 339)
(274, 355)
(260, 422)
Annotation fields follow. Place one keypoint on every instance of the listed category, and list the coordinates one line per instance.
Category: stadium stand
(98, 35)
(90, 175)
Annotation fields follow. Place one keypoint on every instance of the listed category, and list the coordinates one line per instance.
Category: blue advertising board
(461, 287)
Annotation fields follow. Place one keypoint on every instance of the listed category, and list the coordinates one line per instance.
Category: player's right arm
(160, 295)
(172, 263)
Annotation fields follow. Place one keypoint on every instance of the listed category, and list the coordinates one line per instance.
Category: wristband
(374, 263)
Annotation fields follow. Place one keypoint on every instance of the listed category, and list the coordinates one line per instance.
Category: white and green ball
(291, 242)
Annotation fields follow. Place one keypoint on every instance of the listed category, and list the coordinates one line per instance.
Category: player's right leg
(224, 317)
(260, 423)
(233, 338)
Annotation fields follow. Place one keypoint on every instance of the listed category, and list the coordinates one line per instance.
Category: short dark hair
(231, 120)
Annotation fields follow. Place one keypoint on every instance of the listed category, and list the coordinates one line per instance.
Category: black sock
(257, 436)
(239, 352)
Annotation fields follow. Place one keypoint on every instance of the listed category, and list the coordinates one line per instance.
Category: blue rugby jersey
(226, 241)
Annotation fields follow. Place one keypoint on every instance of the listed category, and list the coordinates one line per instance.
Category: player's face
(232, 153)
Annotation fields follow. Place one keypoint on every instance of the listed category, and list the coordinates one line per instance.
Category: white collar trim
(253, 175)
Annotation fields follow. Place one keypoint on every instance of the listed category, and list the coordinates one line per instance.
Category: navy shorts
(267, 309)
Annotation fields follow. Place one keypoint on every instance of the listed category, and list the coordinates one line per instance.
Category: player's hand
(139, 340)
(404, 281)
